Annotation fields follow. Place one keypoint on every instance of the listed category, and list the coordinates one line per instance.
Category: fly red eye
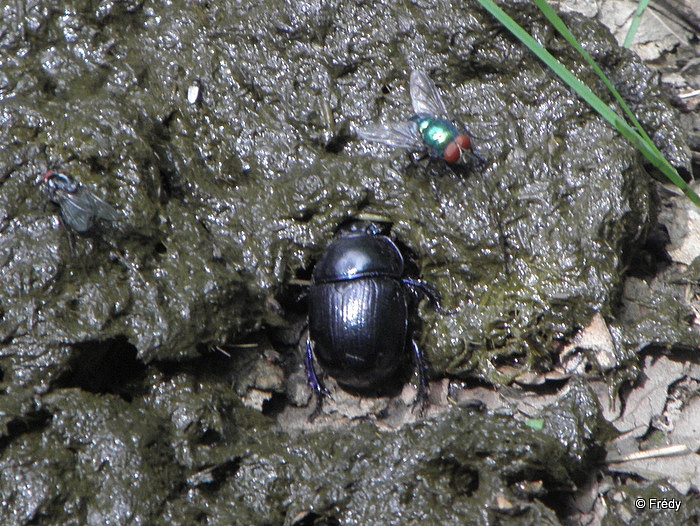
(464, 142)
(452, 152)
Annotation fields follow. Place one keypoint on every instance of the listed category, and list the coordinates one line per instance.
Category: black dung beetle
(359, 327)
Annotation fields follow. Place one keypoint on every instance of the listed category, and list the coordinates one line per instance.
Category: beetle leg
(311, 377)
(422, 377)
(423, 289)
(314, 381)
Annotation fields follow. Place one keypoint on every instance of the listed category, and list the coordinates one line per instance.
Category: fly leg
(471, 158)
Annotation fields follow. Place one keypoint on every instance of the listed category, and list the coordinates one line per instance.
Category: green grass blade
(641, 141)
(641, 7)
(559, 25)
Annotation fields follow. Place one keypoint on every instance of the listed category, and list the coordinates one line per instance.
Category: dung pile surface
(224, 200)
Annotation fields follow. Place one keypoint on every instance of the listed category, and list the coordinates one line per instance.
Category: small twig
(669, 451)
(690, 94)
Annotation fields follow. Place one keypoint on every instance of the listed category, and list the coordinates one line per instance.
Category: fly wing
(74, 212)
(425, 97)
(396, 134)
(100, 208)
(81, 207)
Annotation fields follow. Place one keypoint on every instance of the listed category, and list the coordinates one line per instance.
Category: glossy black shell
(358, 314)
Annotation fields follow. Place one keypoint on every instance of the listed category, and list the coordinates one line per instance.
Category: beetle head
(357, 226)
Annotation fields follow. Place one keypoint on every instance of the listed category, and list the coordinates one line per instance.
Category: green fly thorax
(436, 133)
